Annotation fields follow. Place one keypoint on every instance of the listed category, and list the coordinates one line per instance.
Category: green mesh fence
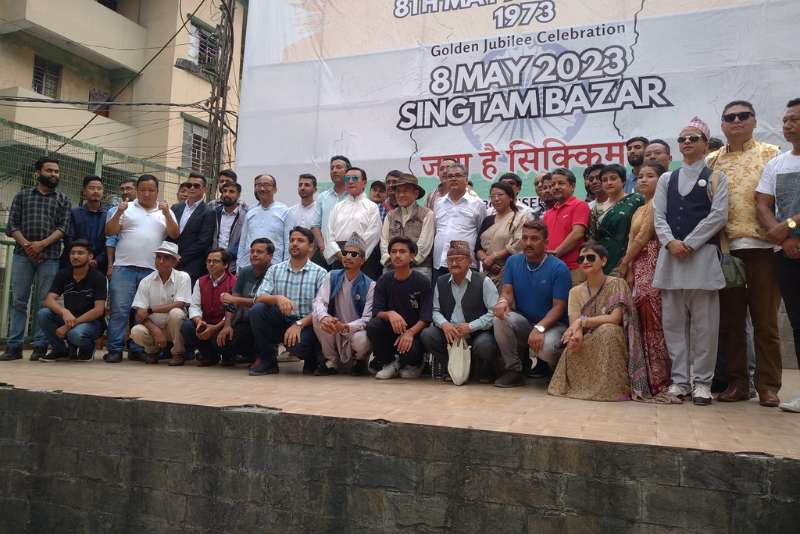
(21, 146)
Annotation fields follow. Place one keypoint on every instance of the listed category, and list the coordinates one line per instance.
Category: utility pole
(218, 102)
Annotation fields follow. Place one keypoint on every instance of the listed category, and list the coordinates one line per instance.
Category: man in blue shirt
(537, 285)
(266, 219)
(88, 222)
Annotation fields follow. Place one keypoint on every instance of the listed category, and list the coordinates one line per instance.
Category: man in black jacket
(197, 224)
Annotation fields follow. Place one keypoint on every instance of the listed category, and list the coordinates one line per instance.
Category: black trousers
(382, 338)
(789, 283)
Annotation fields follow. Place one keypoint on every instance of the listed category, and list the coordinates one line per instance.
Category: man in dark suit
(197, 224)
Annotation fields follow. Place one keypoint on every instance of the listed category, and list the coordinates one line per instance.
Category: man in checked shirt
(38, 222)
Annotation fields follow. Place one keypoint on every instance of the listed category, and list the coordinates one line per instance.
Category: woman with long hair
(602, 360)
(639, 267)
(499, 235)
(611, 220)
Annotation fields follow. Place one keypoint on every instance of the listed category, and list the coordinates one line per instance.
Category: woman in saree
(603, 359)
(639, 267)
(611, 220)
(499, 235)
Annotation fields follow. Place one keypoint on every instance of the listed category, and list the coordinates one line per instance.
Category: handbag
(458, 361)
(733, 270)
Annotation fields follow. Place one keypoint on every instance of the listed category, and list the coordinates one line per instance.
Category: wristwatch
(149, 310)
(791, 223)
(299, 323)
(539, 328)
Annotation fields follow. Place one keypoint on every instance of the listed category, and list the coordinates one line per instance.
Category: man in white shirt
(304, 213)
(141, 225)
(458, 217)
(356, 213)
(267, 219)
(160, 304)
(328, 199)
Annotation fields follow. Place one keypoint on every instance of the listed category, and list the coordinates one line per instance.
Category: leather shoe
(510, 379)
(113, 357)
(176, 360)
(735, 393)
(11, 354)
(38, 352)
(768, 398)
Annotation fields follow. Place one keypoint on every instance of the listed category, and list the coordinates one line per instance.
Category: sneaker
(678, 391)
(701, 396)
(510, 379)
(72, 352)
(11, 354)
(84, 355)
(389, 371)
(262, 367)
(791, 406)
(54, 356)
(410, 371)
(374, 367)
(38, 352)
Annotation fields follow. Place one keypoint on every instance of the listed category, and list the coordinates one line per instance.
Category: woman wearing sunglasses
(603, 360)
(611, 219)
(639, 266)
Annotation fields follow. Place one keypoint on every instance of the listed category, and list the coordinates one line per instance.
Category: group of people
(614, 297)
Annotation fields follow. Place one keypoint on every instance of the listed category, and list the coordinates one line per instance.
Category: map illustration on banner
(499, 85)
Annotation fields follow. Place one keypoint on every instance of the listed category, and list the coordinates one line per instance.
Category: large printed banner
(499, 85)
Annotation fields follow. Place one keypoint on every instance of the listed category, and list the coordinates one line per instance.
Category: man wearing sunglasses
(356, 213)
(197, 223)
(342, 309)
(688, 219)
(742, 160)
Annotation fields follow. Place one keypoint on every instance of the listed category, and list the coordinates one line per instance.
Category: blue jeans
(82, 336)
(271, 325)
(122, 290)
(24, 272)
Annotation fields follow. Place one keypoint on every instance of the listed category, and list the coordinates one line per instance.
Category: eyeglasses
(591, 258)
(742, 116)
(459, 175)
(351, 253)
(351, 178)
(691, 138)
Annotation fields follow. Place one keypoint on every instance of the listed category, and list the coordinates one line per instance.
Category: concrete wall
(72, 463)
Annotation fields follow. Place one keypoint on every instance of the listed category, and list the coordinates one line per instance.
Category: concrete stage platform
(94, 447)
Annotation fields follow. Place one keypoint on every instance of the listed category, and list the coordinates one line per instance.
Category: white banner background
(324, 77)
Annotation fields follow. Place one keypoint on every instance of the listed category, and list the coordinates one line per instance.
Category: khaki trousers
(762, 296)
(170, 324)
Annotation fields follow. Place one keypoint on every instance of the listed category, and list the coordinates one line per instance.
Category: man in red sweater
(207, 312)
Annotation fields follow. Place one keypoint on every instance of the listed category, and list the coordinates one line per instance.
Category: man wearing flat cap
(410, 220)
(690, 211)
(462, 308)
(342, 309)
(160, 304)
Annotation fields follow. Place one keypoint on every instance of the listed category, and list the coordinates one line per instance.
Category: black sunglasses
(591, 258)
(742, 116)
(351, 253)
(691, 138)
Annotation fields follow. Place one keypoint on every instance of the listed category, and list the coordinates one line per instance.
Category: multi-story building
(87, 50)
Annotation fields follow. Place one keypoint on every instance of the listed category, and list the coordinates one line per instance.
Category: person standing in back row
(37, 221)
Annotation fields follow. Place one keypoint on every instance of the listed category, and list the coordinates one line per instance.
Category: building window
(46, 77)
(205, 47)
(98, 95)
(195, 146)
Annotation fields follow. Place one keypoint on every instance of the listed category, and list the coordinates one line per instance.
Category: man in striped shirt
(283, 305)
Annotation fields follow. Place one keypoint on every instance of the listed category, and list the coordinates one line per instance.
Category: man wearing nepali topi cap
(462, 308)
(341, 311)
(690, 211)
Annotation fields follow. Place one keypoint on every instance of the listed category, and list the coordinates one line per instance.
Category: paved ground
(743, 426)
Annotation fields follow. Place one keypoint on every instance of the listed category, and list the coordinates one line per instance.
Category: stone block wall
(71, 463)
